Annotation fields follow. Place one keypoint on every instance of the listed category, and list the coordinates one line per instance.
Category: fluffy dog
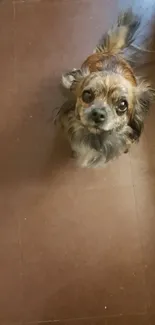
(111, 102)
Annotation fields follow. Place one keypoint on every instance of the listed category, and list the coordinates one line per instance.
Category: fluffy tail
(121, 35)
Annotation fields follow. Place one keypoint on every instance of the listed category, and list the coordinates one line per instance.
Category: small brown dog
(110, 101)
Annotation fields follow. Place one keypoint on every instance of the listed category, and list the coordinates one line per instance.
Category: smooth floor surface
(77, 247)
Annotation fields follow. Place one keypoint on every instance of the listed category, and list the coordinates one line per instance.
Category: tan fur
(108, 75)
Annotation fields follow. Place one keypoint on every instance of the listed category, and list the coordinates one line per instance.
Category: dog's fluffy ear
(71, 79)
(145, 97)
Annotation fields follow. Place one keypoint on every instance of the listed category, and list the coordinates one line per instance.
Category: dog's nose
(98, 115)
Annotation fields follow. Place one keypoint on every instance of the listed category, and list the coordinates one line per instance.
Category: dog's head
(109, 98)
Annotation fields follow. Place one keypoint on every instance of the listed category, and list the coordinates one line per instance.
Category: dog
(110, 102)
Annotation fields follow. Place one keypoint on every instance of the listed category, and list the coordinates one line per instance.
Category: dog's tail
(121, 35)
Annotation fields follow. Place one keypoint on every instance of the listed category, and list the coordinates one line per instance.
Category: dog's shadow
(36, 147)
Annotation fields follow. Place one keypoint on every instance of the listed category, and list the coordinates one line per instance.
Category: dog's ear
(144, 97)
(71, 79)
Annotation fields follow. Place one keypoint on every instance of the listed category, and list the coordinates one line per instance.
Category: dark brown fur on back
(103, 61)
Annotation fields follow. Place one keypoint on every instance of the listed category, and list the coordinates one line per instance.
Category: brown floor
(76, 246)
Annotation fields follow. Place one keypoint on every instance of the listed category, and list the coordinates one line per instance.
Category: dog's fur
(107, 77)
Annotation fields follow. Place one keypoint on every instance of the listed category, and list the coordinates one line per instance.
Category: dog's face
(107, 100)
(104, 101)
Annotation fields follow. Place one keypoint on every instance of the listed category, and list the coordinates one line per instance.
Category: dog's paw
(74, 154)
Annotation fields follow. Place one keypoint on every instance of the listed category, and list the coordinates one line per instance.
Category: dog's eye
(122, 106)
(88, 96)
